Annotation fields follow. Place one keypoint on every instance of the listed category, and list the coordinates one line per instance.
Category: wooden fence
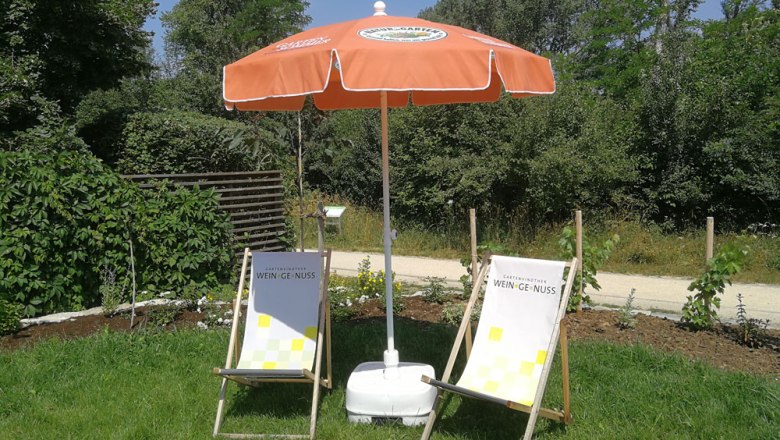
(254, 200)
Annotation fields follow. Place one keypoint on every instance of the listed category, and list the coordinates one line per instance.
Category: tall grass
(159, 385)
(643, 249)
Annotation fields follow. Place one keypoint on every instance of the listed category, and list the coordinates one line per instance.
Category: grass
(158, 385)
(642, 250)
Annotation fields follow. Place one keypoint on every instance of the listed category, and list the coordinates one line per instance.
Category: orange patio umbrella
(380, 62)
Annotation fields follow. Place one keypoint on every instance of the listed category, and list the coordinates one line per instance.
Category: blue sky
(325, 12)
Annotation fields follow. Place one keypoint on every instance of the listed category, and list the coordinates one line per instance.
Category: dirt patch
(716, 347)
(87, 325)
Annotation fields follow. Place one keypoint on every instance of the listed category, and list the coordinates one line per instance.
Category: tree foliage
(656, 113)
(205, 35)
(69, 47)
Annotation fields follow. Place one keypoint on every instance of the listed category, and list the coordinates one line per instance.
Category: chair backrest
(519, 313)
(283, 312)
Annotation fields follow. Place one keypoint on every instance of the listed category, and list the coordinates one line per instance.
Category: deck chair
(287, 319)
(516, 338)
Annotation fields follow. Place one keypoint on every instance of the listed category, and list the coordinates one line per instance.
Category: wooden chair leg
(314, 401)
(220, 407)
(432, 417)
(567, 418)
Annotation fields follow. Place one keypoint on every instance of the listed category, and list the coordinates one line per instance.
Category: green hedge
(184, 142)
(64, 217)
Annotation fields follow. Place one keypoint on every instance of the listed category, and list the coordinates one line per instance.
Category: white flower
(202, 325)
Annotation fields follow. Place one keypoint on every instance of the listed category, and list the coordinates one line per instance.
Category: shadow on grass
(364, 340)
(272, 400)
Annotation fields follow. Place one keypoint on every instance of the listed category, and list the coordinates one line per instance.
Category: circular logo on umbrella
(403, 34)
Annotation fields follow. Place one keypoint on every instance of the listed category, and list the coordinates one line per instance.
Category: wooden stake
(578, 228)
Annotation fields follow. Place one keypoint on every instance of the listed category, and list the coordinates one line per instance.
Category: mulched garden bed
(716, 347)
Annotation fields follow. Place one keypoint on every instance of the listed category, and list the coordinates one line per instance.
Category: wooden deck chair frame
(559, 335)
(315, 378)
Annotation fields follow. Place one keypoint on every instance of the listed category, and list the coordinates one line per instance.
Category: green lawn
(159, 385)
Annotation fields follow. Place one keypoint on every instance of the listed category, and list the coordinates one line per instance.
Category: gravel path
(653, 293)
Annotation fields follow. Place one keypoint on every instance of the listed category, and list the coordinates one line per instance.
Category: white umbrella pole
(391, 355)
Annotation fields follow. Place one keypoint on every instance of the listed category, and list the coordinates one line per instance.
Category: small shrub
(112, 294)
(453, 313)
(398, 303)
(343, 303)
(372, 284)
(699, 312)
(435, 292)
(216, 315)
(751, 331)
(625, 319)
(10, 314)
(593, 258)
(160, 317)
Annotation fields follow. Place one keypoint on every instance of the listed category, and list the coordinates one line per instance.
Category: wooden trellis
(254, 200)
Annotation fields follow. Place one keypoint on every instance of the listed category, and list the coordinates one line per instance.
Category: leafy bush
(65, 216)
(183, 142)
(435, 291)
(593, 258)
(453, 313)
(10, 314)
(101, 116)
(183, 240)
(62, 218)
(700, 310)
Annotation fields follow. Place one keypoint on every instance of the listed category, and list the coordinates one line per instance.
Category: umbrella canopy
(346, 65)
(381, 62)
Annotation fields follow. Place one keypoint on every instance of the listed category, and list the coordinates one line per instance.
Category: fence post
(709, 250)
(578, 228)
(710, 238)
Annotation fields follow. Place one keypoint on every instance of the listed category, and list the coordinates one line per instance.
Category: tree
(69, 47)
(539, 26)
(205, 35)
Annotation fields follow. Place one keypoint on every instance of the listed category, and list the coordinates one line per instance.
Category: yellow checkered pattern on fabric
(509, 378)
(263, 321)
(280, 354)
(495, 334)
